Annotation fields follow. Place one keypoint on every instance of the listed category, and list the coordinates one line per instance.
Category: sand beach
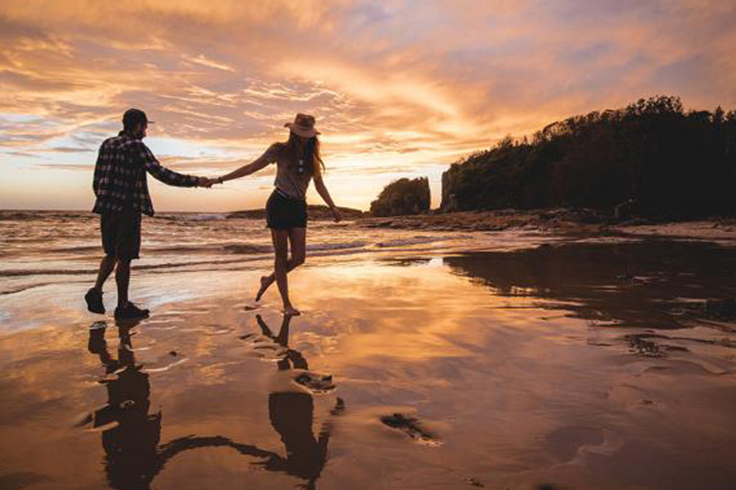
(543, 362)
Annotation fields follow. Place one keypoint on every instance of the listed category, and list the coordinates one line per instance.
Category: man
(121, 189)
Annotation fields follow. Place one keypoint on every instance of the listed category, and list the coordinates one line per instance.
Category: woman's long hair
(309, 151)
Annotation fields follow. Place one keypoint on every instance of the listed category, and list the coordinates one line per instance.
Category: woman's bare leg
(281, 250)
(298, 242)
(280, 240)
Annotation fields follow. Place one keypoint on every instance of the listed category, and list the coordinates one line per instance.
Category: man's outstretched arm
(169, 177)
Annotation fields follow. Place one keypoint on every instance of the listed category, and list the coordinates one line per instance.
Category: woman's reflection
(292, 415)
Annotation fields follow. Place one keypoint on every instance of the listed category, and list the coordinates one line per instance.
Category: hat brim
(306, 133)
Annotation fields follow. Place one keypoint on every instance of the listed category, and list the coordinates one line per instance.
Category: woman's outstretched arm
(252, 167)
(319, 184)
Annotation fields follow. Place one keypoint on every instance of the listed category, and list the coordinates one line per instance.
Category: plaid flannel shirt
(120, 175)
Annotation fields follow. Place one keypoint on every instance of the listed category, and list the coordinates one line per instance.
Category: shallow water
(40, 248)
(574, 366)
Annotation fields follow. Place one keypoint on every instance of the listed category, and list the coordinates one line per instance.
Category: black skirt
(284, 212)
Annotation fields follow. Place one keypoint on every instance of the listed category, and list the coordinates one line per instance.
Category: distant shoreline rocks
(566, 220)
(315, 211)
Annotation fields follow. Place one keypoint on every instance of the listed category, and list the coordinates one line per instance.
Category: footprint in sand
(264, 348)
(315, 382)
(412, 428)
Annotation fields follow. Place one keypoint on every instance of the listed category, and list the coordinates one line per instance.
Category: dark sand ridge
(572, 221)
(521, 366)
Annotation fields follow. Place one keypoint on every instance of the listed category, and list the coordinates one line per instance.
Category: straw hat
(303, 125)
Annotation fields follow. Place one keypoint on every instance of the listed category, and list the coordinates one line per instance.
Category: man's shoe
(130, 312)
(94, 301)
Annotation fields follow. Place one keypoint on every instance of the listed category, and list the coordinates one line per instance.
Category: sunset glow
(398, 88)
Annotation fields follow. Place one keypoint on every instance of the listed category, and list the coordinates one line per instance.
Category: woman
(298, 161)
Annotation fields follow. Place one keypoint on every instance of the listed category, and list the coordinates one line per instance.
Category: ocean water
(39, 248)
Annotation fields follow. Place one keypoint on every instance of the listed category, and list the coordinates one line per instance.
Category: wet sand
(572, 366)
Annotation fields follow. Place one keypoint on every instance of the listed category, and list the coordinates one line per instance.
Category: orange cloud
(399, 88)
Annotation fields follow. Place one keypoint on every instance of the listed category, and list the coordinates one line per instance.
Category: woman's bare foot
(265, 283)
(291, 311)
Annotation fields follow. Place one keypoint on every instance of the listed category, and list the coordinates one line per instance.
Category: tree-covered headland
(652, 157)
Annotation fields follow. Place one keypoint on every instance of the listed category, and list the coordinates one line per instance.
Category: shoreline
(563, 221)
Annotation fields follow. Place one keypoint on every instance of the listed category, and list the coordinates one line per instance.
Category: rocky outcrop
(403, 197)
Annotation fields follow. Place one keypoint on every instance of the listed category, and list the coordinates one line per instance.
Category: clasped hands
(207, 182)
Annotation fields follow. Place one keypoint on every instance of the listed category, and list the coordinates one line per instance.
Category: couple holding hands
(121, 191)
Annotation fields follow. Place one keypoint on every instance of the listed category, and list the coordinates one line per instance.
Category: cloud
(76, 167)
(204, 61)
(396, 86)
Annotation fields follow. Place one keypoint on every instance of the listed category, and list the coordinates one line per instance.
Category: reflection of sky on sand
(497, 358)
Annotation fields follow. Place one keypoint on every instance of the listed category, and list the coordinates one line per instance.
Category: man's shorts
(121, 234)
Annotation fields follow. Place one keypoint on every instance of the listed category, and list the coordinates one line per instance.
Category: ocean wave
(198, 249)
(80, 248)
(192, 216)
(337, 245)
(13, 216)
(256, 252)
(145, 267)
(250, 248)
(180, 249)
(44, 215)
(45, 272)
(247, 248)
(233, 248)
(415, 240)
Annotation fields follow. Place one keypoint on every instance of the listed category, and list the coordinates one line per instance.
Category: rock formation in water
(403, 197)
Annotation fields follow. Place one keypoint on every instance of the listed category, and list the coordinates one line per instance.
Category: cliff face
(649, 159)
(403, 197)
(502, 178)
(449, 188)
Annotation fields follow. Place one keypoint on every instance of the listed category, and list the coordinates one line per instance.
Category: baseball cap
(133, 117)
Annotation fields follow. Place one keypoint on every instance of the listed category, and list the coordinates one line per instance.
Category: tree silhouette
(670, 163)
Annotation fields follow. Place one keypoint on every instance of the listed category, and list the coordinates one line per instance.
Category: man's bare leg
(122, 278)
(94, 295)
(107, 264)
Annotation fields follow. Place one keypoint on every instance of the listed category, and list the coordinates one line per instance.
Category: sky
(399, 88)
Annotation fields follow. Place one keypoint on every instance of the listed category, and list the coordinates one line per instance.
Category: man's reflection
(131, 436)
(292, 415)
